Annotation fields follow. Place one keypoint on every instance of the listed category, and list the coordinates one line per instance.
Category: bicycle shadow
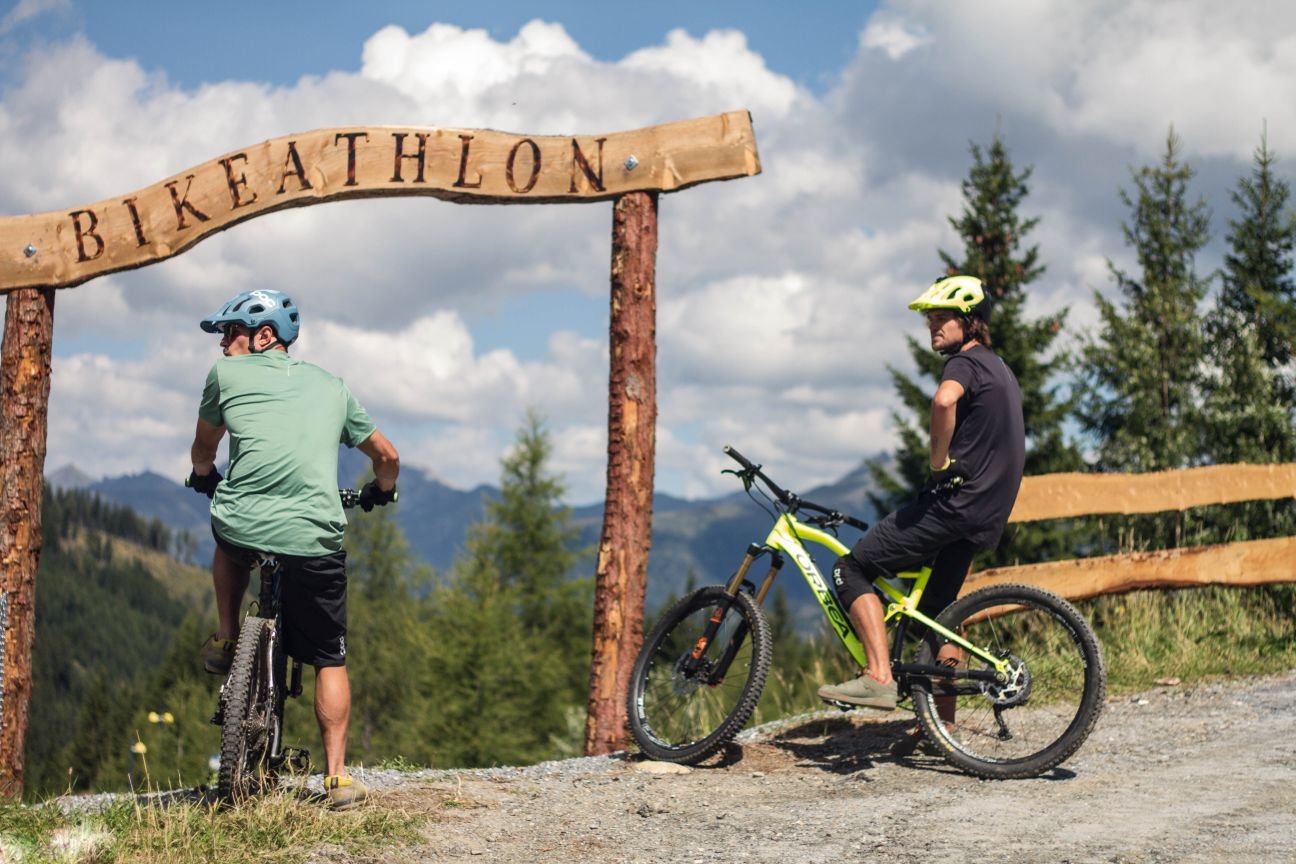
(838, 745)
(841, 746)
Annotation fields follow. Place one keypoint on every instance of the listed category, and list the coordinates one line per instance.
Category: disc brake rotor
(1015, 688)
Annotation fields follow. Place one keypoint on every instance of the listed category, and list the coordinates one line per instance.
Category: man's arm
(386, 462)
(207, 439)
(944, 409)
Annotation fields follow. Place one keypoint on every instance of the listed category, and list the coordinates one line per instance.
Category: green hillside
(109, 602)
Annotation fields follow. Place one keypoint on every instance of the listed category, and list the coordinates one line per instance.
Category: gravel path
(1172, 775)
(1201, 774)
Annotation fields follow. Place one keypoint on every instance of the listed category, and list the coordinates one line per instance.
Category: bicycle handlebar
(349, 497)
(788, 499)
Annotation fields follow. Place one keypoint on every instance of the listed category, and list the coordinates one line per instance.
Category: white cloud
(26, 10)
(892, 35)
(781, 297)
(429, 370)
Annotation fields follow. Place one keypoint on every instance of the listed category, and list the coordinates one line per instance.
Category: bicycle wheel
(684, 708)
(1046, 708)
(250, 714)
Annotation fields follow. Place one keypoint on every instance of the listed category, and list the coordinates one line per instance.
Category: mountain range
(699, 541)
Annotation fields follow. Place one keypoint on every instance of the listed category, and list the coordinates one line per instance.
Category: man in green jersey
(285, 419)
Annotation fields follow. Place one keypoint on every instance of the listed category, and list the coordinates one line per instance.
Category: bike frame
(787, 536)
(275, 661)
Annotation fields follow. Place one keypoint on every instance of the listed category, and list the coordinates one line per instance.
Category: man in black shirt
(978, 452)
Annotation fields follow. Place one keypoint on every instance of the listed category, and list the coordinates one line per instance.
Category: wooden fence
(1058, 496)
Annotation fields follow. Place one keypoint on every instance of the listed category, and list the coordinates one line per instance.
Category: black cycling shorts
(312, 592)
(919, 534)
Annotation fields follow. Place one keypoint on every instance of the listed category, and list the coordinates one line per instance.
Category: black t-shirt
(989, 441)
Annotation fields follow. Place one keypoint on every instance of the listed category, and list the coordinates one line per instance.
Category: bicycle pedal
(296, 760)
(845, 706)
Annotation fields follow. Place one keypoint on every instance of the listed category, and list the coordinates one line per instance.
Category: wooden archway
(43, 252)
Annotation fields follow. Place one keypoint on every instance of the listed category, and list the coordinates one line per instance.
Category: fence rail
(1058, 496)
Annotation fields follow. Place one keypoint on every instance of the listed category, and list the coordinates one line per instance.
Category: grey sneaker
(862, 691)
(217, 655)
(344, 791)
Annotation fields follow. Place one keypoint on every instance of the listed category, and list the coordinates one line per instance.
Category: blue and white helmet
(254, 308)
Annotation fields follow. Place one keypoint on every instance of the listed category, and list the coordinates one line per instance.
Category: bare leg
(949, 655)
(230, 580)
(866, 614)
(333, 711)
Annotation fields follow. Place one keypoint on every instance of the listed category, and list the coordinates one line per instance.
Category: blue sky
(781, 297)
(282, 41)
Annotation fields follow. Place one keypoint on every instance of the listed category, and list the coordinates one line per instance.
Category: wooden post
(25, 381)
(622, 568)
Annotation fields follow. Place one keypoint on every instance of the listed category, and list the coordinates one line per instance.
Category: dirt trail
(1171, 775)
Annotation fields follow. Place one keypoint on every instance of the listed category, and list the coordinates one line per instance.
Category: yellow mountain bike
(1024, 695)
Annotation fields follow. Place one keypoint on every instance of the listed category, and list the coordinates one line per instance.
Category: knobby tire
(675, 714)
(1053, 705)
(250, 715)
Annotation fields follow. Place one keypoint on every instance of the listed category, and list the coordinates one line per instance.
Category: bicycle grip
(856, 523)
(739, 458)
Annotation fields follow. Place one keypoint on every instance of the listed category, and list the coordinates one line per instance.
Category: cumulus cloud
(781, 297)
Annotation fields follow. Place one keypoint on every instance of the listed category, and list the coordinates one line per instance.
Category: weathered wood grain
(69, 246)
(1055, 496)
(1253, 562)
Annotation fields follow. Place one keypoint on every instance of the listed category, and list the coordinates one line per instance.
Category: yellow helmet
(963, 294)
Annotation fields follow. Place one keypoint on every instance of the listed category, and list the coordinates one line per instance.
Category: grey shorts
(919, 534)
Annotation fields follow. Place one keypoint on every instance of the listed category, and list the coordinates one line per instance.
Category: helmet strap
(252, 349)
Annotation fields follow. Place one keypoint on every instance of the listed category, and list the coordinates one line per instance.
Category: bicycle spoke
(684, 707)
(1041, 711)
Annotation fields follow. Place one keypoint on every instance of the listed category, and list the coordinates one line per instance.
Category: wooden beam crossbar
(1249, 563)
(1056, 496)
(63, 248)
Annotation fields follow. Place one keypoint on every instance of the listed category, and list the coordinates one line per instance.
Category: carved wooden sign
(67, 247)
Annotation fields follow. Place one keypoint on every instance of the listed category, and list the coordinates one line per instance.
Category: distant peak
(69, 477)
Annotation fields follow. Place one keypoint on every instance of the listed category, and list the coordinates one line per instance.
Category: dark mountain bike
(251, 704)
(1027, 685)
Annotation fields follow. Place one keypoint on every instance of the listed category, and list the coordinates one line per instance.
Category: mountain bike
(251, 703)
(1026, 686)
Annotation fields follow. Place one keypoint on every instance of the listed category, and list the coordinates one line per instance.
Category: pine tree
(1249, 398)
(511, 628)
(498, 695)
(993, 233)
(1140, 378)
(529, 540)
(1258, 279)
(388, 637)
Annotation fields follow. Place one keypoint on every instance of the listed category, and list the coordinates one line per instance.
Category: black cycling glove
(947, 479)
(371, 496)
(204, 483)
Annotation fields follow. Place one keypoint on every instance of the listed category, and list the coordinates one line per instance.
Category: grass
(1194, 634)
(273, 828)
